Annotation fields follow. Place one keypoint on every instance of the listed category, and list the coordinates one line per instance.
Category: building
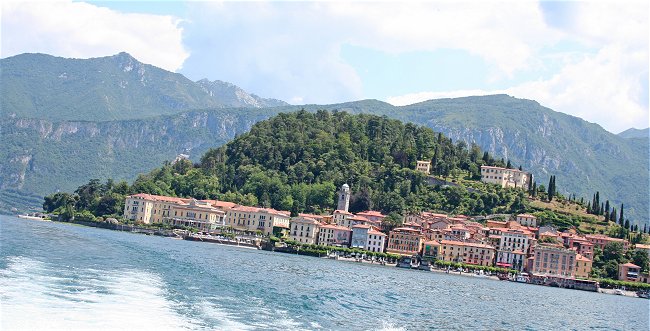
(334, 235)
(368, 238)
(304, 230)
(582, 246)
(513, 248)
(553, 260)
(629, 272)
(466, 252)
(600, 241)
(431, 249)
(583, 266)
(252, 219)
(505, 177)
(374, 216)
(196, 214)
(342, 218)
(405, 241)
(526, 220)
(151, 209)
(423, 166)
(344, 198)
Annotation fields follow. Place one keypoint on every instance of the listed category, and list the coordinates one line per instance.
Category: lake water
(65, 277)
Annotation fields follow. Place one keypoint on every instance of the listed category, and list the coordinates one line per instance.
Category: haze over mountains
(65, 121)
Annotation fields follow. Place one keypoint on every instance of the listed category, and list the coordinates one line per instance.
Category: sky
(588, 59)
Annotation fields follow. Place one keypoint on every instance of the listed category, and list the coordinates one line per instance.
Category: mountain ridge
(584, 157)
(115, 87)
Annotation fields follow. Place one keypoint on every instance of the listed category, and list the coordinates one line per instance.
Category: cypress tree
(597, 203)
(626, 224)
(621, 219)
(645, 228)
(534, 190)
(601, 211)
(589, 207)
(612, 215)
(607, 206)
(520, 169)
(509, 165)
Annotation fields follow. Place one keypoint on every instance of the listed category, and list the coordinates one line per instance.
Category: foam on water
(36, 296)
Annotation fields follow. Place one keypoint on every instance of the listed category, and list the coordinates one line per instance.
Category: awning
(503, 264)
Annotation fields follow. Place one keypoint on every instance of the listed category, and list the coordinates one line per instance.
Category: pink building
(600, 241)
(334, 235)
(629, 272)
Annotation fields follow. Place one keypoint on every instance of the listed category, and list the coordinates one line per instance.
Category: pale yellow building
(252, 219)
(466, 252)
(151, 209)
(405, 241)
(304, 230)
(583, 266)
(505, 177)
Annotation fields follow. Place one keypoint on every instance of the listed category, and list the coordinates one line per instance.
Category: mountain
(635, 133)
(108, 88)
(58, 131)
(41, 156)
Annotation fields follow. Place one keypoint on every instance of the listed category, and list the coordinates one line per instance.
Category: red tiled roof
(335, 227)
(371, 213)
(461, 243)
(338, 211)
(631, 265)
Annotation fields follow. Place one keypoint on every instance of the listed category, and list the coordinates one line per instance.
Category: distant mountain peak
(109, 88)
(635, 133)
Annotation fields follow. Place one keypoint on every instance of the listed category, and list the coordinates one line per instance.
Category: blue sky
(588, 59)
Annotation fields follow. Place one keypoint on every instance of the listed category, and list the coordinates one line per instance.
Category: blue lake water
(65, 277)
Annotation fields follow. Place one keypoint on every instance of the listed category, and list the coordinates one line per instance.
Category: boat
(405, 262)
(618, 291)
(425, 265)
(34, 216)
(522, 278)
(643, 294)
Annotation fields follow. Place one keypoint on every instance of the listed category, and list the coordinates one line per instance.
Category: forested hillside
(296, 161)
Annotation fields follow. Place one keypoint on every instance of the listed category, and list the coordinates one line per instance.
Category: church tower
(344, 198)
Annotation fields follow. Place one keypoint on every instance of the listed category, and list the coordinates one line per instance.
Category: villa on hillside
(506, 178)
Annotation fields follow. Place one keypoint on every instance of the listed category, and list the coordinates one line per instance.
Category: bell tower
(344, 198)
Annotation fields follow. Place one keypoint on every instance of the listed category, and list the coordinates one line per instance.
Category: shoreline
(167, 234)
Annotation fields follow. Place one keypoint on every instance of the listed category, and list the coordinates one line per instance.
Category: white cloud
(608, 87)
(82, 30)
(603, 89)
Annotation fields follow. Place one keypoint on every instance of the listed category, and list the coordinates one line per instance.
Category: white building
(423, 166)
(527, 220)
(513, 248)
(343, 218)
(304, 230)
(368, 238)
(505, 177)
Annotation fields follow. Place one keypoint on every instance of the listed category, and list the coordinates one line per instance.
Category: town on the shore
(530, 251)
